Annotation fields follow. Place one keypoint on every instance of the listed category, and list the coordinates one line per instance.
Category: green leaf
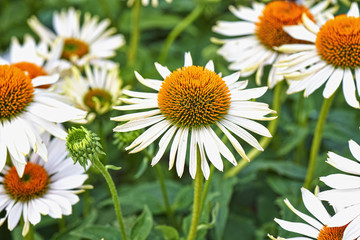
(112, 167)
(95, 232)
(142, 226)
(168, 232)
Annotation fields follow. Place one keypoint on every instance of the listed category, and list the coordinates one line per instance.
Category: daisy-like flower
(190, 101)
(316, 227)
(345, 193)
(25, 109)
(47, 188)
(332, 57)
(35, 59)
(259, 33)
(91, 42)
(154, 3)
(96, 93)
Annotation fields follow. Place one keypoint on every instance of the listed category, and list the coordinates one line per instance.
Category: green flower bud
(83, 145)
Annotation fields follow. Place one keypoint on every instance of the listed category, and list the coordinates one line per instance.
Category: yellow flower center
(16, 91)
(194, 97)
(34, 183)
(32, 70)
(74, 47)
(269, 28)
(97, 95)
(338, 42)
(331, 233)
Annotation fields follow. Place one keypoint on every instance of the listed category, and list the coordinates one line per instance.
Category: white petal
(139, 94)
(354, 10)
(296, 227)
(313, 222)
(138, 124)
(14, 215)
(164, 71)
(43, 80)
(341, 181)
(163, 144)
(174, 147)
(309, 24)
(300, 32)
(154, 84)
(315, 207)
(318, 79)
(222, 147)
(349, 89)
(352, 231)
(180, 160)
(245, 13)
(211, 149)
(344, 216)
(248, 94)
(188, 60)
(193, 153)
(210, 65)
(233, 142)
(333, 83)
(250, 125)
(235, 28)
(293, 48)
(354, 149)
(135, 116)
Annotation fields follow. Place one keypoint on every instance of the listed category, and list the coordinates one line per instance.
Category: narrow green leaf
(168, 232)
(142, 226)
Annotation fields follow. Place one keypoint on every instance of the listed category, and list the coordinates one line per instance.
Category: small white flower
(316, 227)
(258, 35)
(190, 101)
(331, 59)
(345, 194)
(154, 3)
(91, 42)
(96, 93)
(46, 188)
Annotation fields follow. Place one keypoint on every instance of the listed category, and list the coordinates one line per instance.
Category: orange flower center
(74, 47)
(338, 42)
(16, 91)
(32, 70)
(331, 233)
(194, 97)
(97, 95)
(269, 29)
(34, 183)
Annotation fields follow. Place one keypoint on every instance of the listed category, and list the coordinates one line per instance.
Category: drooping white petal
(300, 228)
(180, 160)
(349, 89)
(300, 32)
(163, 144)
(354, 149)
(333, 83)
(315, 207)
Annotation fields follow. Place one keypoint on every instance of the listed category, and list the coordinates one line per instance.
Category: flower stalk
(197, 199)
(317, 140)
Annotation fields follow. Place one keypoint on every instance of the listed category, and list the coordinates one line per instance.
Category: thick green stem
(206, 188)
(98, 164)
(317, 140)
(264, 141)
(178, 29)
(168, 209)
(135, 33)
(197, 199)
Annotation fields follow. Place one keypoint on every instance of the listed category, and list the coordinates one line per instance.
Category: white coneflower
(90, 42)
(332, 58)
(190, 102)
(46, 188)
(259, 33)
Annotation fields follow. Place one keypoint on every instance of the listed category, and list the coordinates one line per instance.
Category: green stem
(135, 33)
(62, 224)
(31, 234)
(169, 211)
(98, 164)
(179, 28)
(317, 140)
(206, 188)
(264, 141)
(197, 199)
